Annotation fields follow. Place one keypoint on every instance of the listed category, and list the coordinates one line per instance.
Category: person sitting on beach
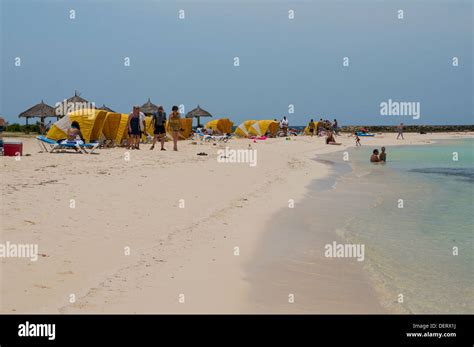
(357, 140)
(383, 155)
(311, 127)
(74, 131)
(330, 140)
(374, 158)
(158, 121)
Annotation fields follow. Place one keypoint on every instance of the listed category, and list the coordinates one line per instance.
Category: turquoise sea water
(411, 250)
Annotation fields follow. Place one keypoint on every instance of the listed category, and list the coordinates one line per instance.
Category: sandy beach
(170, 232)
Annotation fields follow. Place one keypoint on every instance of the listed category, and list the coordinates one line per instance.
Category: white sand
(135, 204)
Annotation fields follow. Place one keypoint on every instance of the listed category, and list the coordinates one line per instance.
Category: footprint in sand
(66, 273)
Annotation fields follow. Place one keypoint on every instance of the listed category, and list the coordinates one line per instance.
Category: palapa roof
(105, 108)
(198, 112)
(75, 99)
(41, 110)
(149, 107)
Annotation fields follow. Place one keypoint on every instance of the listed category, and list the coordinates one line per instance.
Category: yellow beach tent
(111, 124)
(243, 129)
(122, 131)
(306, 130)
(91, 122)
(264, 127)
(222, 125)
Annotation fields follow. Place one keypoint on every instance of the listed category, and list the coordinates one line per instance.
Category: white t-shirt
(284, 123)
(142, 120)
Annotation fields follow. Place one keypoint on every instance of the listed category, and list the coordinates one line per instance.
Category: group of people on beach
(136, 126)
(323, 127)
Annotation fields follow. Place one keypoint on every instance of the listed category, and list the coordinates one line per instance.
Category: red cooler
(12, 148)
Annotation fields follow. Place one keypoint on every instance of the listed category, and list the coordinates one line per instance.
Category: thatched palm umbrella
(105, 108)
(198, 112)
(76, 101)
(149, 107)
(40, 110)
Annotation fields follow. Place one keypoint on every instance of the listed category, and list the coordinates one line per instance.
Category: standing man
(400, 131)
(158, 121)
(284, 126)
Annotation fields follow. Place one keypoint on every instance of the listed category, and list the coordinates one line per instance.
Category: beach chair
(44, 143)
(217, 138)
(51, 146)
(200, 135)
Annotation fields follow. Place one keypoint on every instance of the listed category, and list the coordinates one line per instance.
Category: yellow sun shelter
(222, 125)
(316, 125)
(91, 122)
(264, 127)
(115, 127)
(243, 129)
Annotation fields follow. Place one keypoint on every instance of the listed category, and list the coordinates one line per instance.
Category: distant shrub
(14, 128)
(18, 128)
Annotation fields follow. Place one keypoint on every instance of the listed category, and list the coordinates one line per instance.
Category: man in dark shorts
(133, 126)
(158, 120)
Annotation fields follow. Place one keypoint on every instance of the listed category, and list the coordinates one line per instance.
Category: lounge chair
(50, 146)
(218, 138)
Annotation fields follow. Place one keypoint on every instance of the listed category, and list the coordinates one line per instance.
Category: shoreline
(173, 253)
(299, 268)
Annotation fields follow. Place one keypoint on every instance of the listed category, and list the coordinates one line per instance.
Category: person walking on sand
(400, 131)
(158, 121)
(357, 140)
(335, 127)
(133, 126)
(383, 155)
(175, 126)
(374, 158)
(311, 127)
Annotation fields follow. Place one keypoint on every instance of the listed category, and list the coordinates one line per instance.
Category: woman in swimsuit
(175, 126)
(74, 131)
(134, 128)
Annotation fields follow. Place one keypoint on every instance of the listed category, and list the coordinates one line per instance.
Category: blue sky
(282, 61)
